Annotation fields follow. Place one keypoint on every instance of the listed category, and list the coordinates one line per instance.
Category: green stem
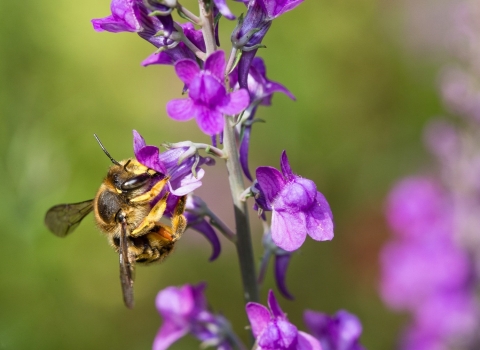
(206, 19)
(242, 225)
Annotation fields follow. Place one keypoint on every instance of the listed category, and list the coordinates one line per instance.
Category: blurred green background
(362, 100)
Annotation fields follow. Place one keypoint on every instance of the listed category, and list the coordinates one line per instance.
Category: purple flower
(412, 271)
(297, 207)
(184, 310)
(273, 331)
(208, 99)
(261, 91)
(341, 331)
(418, 208)
(196, 209)
(133, 16)
(182, 179)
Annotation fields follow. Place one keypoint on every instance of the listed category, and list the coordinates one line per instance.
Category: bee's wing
(127, 268)
(64, 218)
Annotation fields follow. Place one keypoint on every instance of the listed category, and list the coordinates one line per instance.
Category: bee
(126, 212)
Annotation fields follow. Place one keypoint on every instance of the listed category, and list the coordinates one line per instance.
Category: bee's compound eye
(120, 216)
(135, 182)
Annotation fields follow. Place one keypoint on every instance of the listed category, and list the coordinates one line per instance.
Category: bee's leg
(179, 222)
(152, 219)
(154, 191)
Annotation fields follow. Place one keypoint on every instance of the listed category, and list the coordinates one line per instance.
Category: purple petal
(274, 306)
(215, 64)
(297, 195)
(208, 232)
(259, 65)
(273, 87)
(168, 334)
(181, 109)
(244, 67)
(195, 36)
(271, 182)
(223, 8)
(288, 230)
(320, 220)
(281, 265)
(243, 152)
(288, 333)
(278, 7)
(259, 316)
(158, 58)
(285, 166)
(208, 91)
(138, 142)
(187, 184)
(209, 121)
(187, 70)
(110, 24)
(239, 100)
(148, 156)
(123, 18)
(176, 303)
(307, 342)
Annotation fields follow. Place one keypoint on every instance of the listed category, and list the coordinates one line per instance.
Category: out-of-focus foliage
(361, 104)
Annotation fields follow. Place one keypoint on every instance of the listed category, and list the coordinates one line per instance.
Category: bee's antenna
(105, 151)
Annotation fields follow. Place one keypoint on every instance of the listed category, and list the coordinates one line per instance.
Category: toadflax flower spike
(297, 207)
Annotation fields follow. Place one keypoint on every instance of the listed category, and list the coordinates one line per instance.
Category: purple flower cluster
(185, 311)
(430, 268)
(223, 97)
(424, 271)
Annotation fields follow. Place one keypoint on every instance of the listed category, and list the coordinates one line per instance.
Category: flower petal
(285, 166)
(274, 306)
(209, 121)
(223, 8)
(186, 70)
(288, 230)
(307, 342)
(148, 156)
(243, 151)
(258, 315)
(215, 64)
(168, 334)
(271, 182)
(187, 185)
(319, 220)
(208, 232)
(281, 266)
(138, 142)
(238, 101)
(158, 58)
(181, 109)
